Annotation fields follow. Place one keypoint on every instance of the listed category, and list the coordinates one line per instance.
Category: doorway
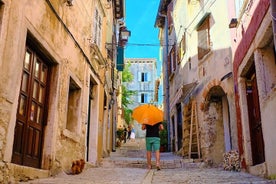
(254, 115)
(31, 111)
(179, 126)
(216, 134)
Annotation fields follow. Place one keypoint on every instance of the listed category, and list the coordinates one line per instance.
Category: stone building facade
(221, 56)
(254, 68)
(58, 84)
(198, 77)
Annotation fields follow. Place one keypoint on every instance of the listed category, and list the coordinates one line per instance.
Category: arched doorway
(216, 134)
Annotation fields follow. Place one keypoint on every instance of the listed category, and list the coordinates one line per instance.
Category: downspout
(273, 15)
(166, 77)
(167, 85)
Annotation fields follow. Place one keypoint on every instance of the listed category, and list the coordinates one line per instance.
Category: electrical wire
(142, 44)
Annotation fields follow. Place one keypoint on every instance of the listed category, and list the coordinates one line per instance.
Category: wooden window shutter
(203, 38)
(169, 65)
(181, 48)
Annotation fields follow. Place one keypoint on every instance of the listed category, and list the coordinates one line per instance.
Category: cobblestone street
(139, 175)
(128, 166)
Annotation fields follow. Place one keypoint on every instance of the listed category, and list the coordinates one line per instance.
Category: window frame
(172, 60)
(181, 48)
(97, 27)
(203, 30)
(144, 98)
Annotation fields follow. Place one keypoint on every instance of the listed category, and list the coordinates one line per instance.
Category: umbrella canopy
(147, 114)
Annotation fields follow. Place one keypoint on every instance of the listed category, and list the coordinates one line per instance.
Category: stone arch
(215, 130)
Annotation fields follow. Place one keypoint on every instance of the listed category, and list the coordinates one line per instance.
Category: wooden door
(179, 127)
(30, 121)
(255, 123)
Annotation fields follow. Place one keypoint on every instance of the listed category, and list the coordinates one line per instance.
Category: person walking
(128, 132)
(153, 142)
(125, 134)
(132, 135)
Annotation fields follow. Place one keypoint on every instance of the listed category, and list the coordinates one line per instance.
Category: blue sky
(140, 19)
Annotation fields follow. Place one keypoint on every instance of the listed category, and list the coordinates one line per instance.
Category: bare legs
(149, 159)
(157, 155)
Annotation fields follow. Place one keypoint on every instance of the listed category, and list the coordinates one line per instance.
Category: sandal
(158, 168)
(149, 167)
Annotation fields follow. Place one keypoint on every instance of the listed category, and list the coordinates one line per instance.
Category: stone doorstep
(24, 173)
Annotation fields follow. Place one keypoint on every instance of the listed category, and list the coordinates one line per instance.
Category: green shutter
(120, 59)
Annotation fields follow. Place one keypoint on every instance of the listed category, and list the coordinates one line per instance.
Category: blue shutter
(120, 58)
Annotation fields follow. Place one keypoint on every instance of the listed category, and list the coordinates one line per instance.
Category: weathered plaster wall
(254, 39)
(68, 50)
(208, 72)
(212, 134)
(269, 127)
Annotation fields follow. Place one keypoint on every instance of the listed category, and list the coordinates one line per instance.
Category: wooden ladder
(194, 147)
(191, 146)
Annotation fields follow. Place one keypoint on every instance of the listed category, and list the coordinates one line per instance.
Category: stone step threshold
(122, 162)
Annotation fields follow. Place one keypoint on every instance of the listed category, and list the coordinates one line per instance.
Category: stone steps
(133, 156)
(168, 161)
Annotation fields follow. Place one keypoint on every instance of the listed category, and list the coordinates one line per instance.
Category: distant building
(144, 71)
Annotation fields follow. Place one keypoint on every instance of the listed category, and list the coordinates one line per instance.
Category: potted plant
(120, 136)
(163, 138)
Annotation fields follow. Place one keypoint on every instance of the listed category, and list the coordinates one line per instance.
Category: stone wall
(212, 134)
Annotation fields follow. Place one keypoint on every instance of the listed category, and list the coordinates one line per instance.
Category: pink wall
(240, 46)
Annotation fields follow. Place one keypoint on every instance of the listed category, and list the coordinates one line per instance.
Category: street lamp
(124, 35)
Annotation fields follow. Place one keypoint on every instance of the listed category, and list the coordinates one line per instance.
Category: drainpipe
(167, 84)
(273, 14)
(166, 78)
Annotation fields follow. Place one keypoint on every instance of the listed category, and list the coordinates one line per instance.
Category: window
(144, 98)
(181, 48)
(171, 61)
(144, 76)
(170, 17)
(242, 6)
(203, 38)
(238, 7)
(97, 34)
(73, 107)
(1, 13)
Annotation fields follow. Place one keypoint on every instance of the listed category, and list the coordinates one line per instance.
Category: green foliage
(127, 94)
(127, 115)
(120, 133)
(164, 135)
(126, 74)
(272, 177)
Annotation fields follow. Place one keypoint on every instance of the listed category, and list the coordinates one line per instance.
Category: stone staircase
(133, 154)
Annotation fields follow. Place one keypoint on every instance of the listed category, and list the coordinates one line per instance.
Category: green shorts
(152, 143)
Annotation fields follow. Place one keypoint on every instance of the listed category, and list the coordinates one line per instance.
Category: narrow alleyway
(128, 166)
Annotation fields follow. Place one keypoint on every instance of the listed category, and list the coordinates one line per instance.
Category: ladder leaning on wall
(191, 146)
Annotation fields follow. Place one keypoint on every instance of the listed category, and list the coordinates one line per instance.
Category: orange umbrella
(147, 114)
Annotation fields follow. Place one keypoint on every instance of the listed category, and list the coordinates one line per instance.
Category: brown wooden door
(255, 123)
(28, 135)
